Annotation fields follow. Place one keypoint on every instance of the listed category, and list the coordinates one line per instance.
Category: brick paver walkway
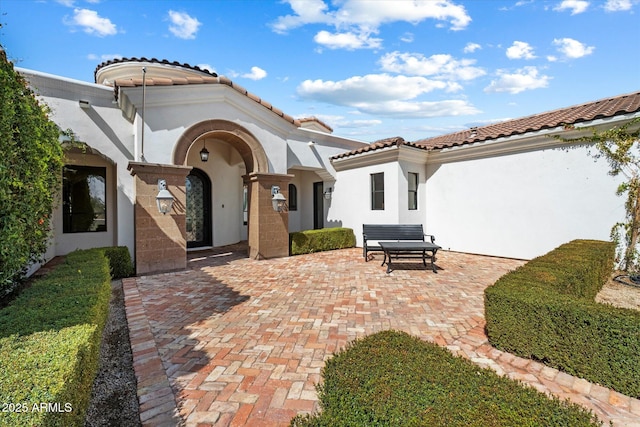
(233, 341)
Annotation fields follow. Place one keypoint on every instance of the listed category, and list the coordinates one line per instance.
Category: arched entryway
(266, 230)
(198, 209)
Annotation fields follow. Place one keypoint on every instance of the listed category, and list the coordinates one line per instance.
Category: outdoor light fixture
(164, 199)
(277, 199)
(204, 153)
(327, 193)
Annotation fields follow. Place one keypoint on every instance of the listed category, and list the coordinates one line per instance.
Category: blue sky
(370, 69)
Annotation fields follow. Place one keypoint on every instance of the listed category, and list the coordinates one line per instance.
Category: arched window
(293, 198)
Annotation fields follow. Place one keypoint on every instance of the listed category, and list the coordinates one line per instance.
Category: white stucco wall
(351, 200)
(521, 205)
(302, 218)
(103, 128)
(171, 110)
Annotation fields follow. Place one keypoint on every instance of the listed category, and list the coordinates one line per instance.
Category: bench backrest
(392, 232)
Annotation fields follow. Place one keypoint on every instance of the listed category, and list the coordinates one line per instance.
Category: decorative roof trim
(563, 117)
(205, 78)
(395, 141)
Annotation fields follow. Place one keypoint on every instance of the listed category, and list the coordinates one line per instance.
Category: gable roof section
(569, 116)
(197, 76)
(380, 144)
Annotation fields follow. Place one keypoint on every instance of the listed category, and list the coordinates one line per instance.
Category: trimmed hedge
(120, 264)
(393, 379)
(325, 239)
(50, 342)
(546, 311)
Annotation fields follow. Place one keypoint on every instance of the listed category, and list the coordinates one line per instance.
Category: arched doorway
(198, 210)
(266, 228)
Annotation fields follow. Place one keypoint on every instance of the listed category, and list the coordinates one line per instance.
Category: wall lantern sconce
(278, 200)
(164, 199)
(204, 153)
(328, 192)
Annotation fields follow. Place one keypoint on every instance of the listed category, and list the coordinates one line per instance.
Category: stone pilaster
(160, 239)
(268, 229)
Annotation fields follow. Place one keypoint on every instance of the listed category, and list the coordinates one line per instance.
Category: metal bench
(399, 240)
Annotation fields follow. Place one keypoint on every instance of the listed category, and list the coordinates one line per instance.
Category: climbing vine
(620, 147)
(30, 175)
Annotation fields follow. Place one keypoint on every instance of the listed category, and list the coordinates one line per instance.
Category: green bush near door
(324, 239)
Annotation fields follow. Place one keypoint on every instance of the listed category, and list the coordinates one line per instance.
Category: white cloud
(104, 57)
(407, 37)
(618, 5)
(386, 95)
(206, 67)
(573, 49)
(349, 41)
(356, 20)
(526, 78)
(92, 23)
(441, 66)
(576, 6)
(471, 47)
(520, 50)
(256, 73)
(424, 109)
(343, 122)
(305, 12)
(182, 25)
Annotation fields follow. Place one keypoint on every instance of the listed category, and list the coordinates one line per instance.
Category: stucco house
(226, 157)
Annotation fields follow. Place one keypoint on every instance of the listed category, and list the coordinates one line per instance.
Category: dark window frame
(293, 197)
(413, 178)
(377, 192)
(79, 214)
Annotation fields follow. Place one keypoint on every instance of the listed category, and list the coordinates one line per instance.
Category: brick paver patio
(233, 341)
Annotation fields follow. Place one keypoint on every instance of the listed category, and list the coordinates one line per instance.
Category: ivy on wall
(31, 160)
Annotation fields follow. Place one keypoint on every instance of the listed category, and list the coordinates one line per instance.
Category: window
(84, 192)
(413, 191)
(293, 198)
(245, 205)
(377, 191)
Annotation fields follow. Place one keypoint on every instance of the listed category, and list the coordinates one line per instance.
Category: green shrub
(119, 261)
(546, 311)
(393, 379)
(50, 341)
(30, 172)
(325, 239)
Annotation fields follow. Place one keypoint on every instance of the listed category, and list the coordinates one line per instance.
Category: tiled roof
(604, 108)
(206, 78)
(152, 60)
(317, 120)
(382, 143)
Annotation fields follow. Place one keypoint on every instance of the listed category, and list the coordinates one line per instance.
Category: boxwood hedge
(546, 311)
(393, 379)
(50, 341)
(324, 239)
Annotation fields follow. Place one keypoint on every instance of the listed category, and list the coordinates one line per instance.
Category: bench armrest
(431, 236)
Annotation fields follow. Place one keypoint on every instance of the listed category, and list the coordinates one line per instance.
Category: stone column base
(160, 239)
(268, 229)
